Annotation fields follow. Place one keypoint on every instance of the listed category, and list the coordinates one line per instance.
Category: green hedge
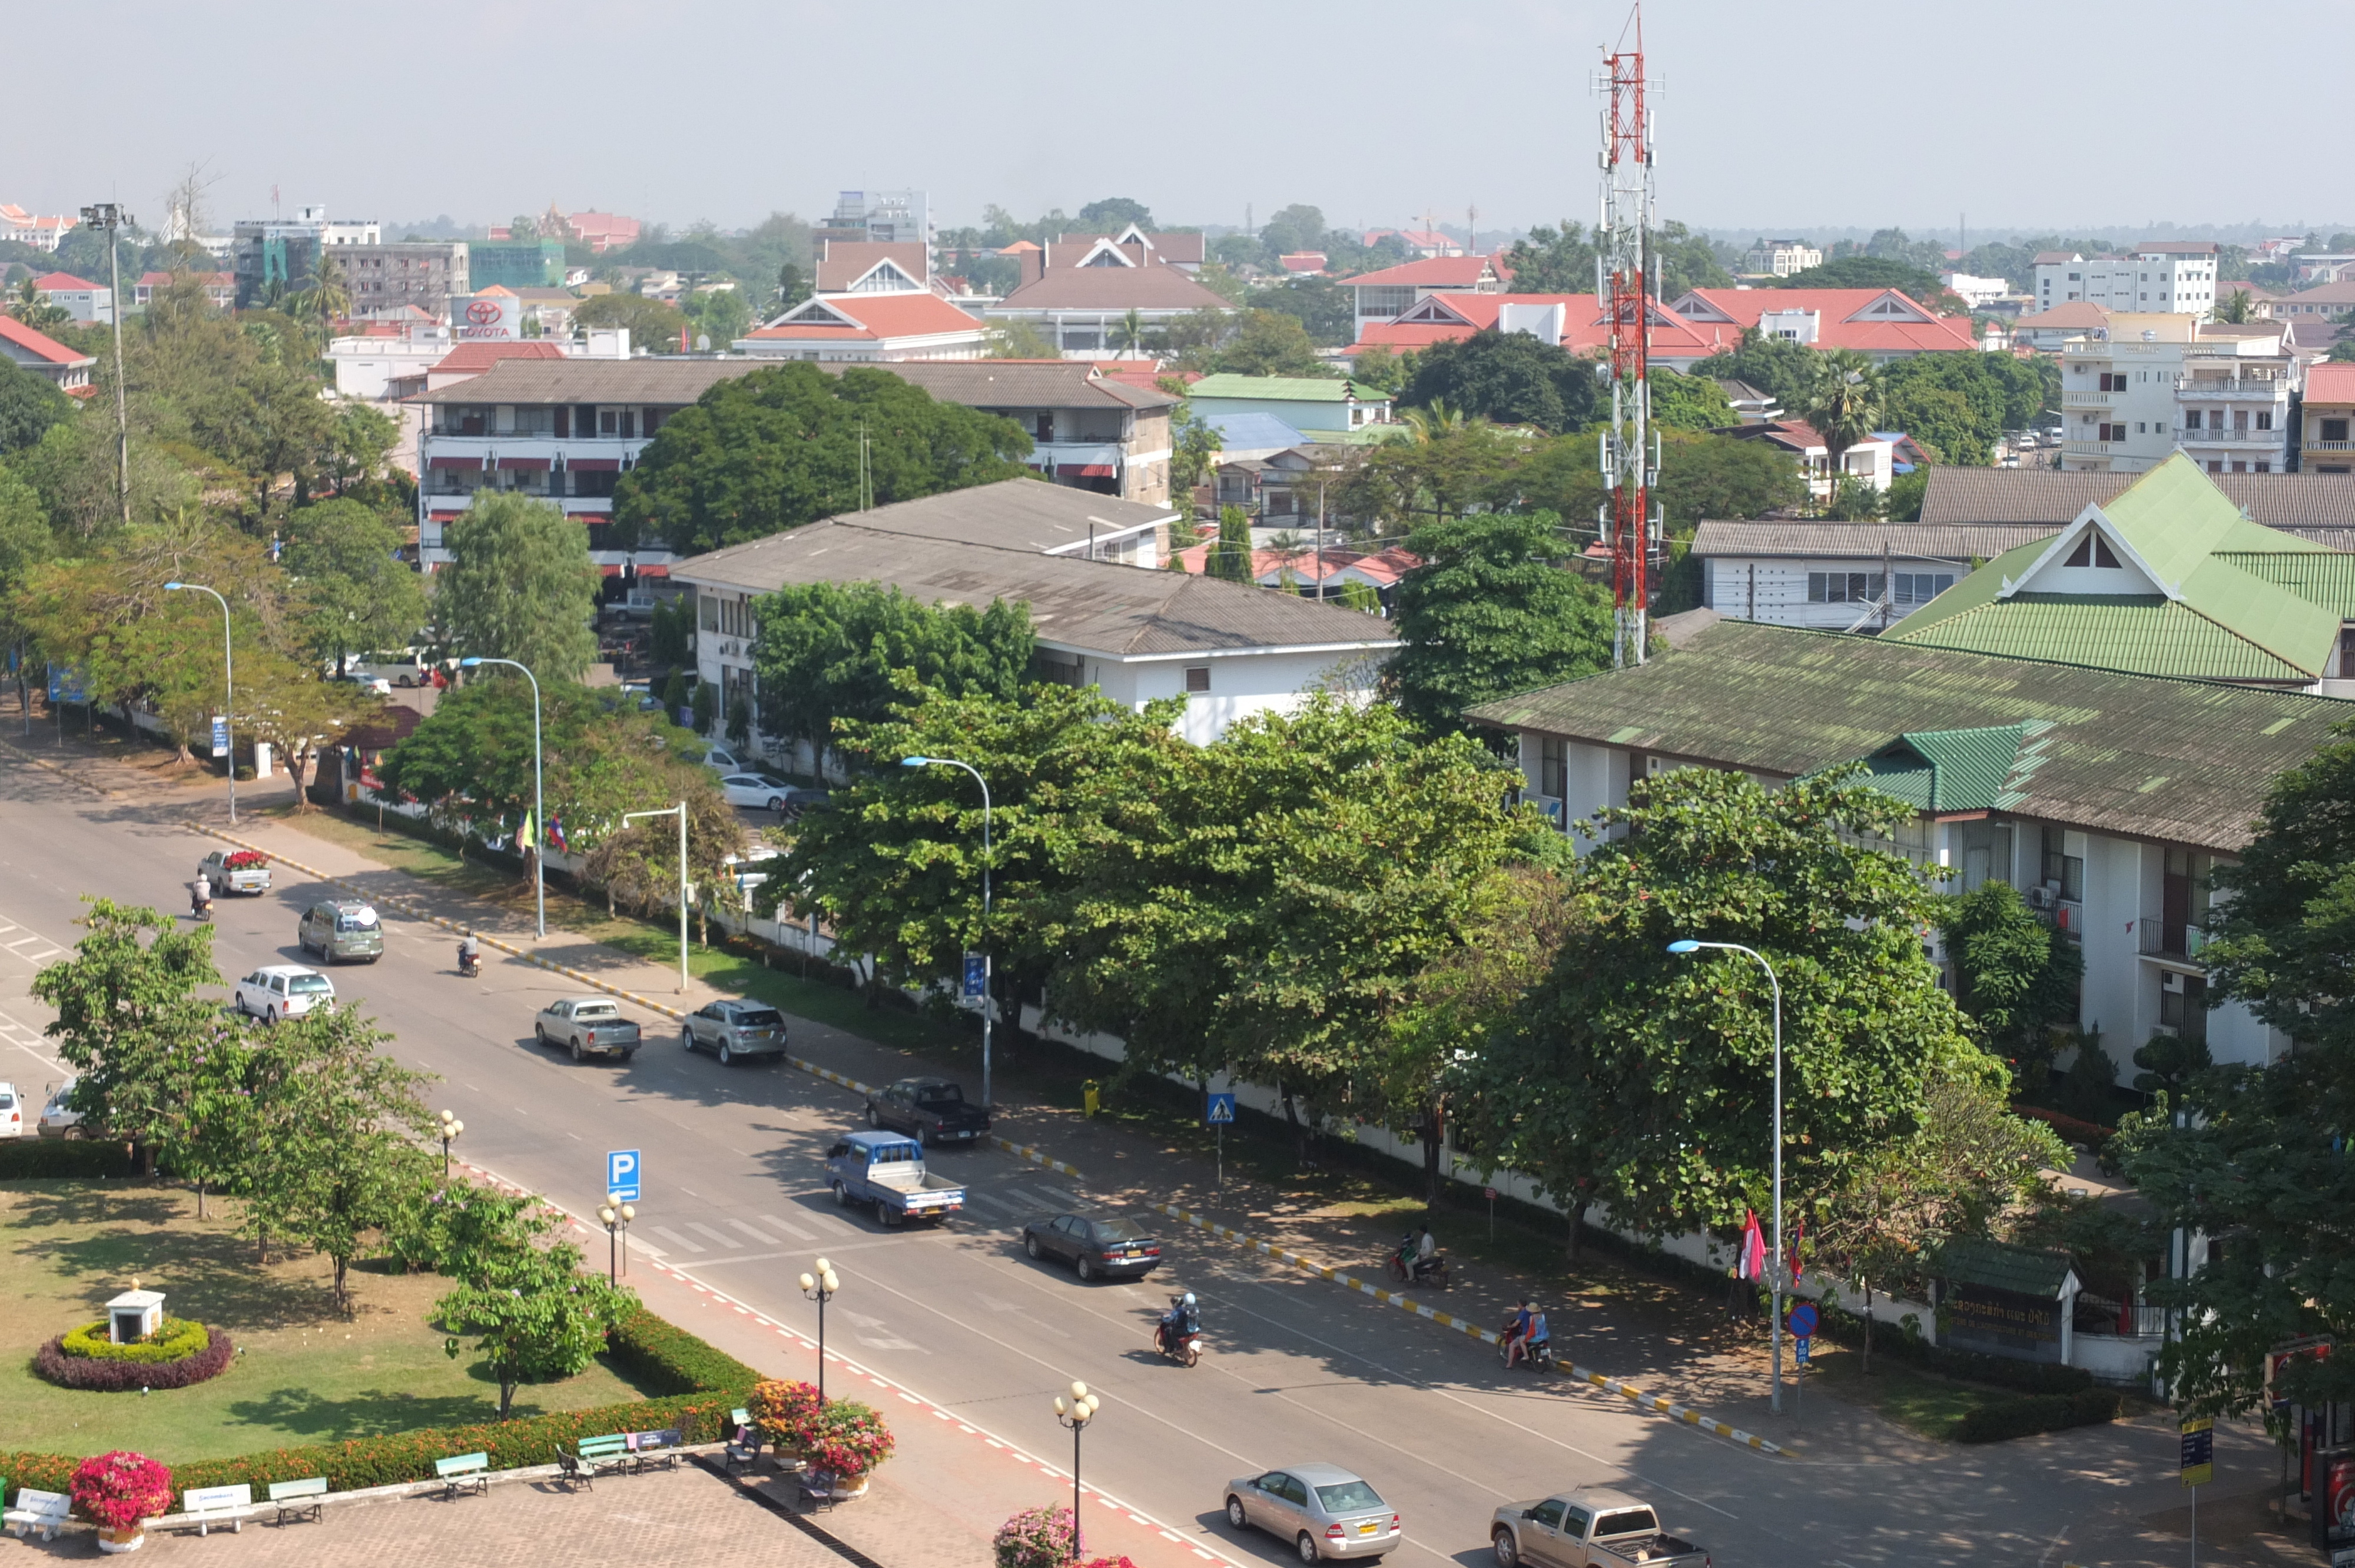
(176, 1340)
(707, 1384)
(35, 1158)
(2002, 1419)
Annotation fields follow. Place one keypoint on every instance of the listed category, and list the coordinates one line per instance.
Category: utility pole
(111, 217)
(1629, 454)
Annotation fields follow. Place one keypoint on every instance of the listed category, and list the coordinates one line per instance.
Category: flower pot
(841, 1493)
(131, 1539)
(819, 1484)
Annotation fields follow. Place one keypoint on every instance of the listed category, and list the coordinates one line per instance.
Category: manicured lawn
(308, 1374)
(1915, 1400)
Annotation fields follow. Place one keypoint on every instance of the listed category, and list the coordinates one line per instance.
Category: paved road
(1300, 1369)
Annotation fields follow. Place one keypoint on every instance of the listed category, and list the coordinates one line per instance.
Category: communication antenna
(1629, 449)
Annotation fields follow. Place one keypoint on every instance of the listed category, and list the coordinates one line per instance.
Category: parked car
(721, 759)
(755, 789)
(929, 1110)
(59, 1119)
(1099, 1247)
(799, 800)
(12, 1111)
(1587, 1528)
(587, 1026)
(1323, 1510)
(340, 928)
(735, 1030)
(236, 871)
(888, 1170)
(277, 992)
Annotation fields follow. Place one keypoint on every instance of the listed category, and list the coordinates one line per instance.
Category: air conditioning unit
(2039, 896)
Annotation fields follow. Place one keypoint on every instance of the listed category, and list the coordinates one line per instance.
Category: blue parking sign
(1221, 1111)
(622, 1174)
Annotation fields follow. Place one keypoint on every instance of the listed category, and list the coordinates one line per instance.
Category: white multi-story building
(2164, 276)
(1782, 256)
(1977, 293)
(35, 229)
(2157, 384)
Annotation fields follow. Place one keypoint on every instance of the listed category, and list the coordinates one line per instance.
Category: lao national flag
(1753, 1247)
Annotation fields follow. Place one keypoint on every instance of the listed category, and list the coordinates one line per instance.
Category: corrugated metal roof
(1014, 514)
(1963, 495)
(2023, 1271)
(2324, 576)
(1966, 542)
(2148, 634)
(1983, 769)
(2184, 761)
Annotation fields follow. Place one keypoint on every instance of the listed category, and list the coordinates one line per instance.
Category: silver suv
(735, 1030)
(341, 928)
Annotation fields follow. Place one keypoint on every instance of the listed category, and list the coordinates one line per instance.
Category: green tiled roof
(1283, 390)
(2023, 1271)
(2183, 761)
(1961, 769)
(2239, 602)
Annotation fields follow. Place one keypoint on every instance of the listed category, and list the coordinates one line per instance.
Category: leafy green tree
(1906, 492)
(549, 1322)
(356, 594)
(1018, 339)
(337, 1140)
(519, 586)
(1688, 402)
(32, 307)
(1919, 283)
(1450, 465)
(2015, 976)
(827, 654)
(673, 692)
(1269, 343)
(1489, 613)
(652, 324)
(704, 706)
(1113, 214)
(778, 448)
(1784, 370)
(1701, 477)
(1379, 368)
(1195, 444)
(1325, 310)
(1510, 379)
(1552, 261)
(1846, 406)
(29, 405)
(1296, 228)
(1638, 1079)
(1683, 261)
(720, 314)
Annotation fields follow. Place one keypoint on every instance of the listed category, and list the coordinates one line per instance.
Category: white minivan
(283, 990)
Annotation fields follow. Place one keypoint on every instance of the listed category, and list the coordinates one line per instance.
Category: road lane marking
(722, 1237)
(758, 1236)
(676, 1239)
(1389, 1298)
(1025, 1199)
(789, 1228)
(976, 1195)
(1062, 1197)
(747, 1257)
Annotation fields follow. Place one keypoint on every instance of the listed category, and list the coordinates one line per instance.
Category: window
(710, 612)
(1920, 588)
(1844, 587)
(2333, 429)
(1548, 1513)
(2092, 550)
(2114, 382)
(2264, 418)
(608, 422)
(2063, 873)
(2116, 432)
(1197, 678)
(1553, 767)
(2191, 418)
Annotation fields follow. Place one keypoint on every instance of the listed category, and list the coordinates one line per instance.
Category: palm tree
(2239, 309)
(1844, 407)
(32, 307)
(325, 296)
(1129, 335)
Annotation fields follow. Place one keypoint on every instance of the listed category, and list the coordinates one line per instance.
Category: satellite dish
(703, 343)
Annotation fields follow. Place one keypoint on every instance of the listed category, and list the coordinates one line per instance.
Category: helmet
(1190, 1298)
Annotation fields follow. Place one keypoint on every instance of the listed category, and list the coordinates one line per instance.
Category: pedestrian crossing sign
(1221, 1110)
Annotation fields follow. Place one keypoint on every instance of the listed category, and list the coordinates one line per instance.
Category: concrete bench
(460, 1472)
(209, 1506)
(592, 1455)
(297, 1498)
(37, 1510)
(650, 1447)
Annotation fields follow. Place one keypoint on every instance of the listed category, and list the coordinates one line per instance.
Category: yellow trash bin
(1089, 1092)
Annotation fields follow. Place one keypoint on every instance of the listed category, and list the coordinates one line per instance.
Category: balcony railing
(2096, 1319)
(2207, 438)
(2092, 449)
(2330, 446)
(2073, 399)
(2266, 389)
(2162, 940)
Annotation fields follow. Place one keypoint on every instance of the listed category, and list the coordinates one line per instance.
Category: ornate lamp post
(820, 1287)
(1076, 1416)
(451, 1127)
(615, 1217)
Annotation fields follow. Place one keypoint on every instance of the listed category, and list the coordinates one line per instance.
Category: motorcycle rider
(1177, 1325)
(470, 953)
(200, 896)
(1426, 1251)
(1517, 1334)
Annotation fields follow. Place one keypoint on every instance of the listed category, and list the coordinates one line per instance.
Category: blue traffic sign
(1802, 1319)
(977, 977)
(1221, 1111)
(1800, 1345)
(220, 736)
(622, 1175)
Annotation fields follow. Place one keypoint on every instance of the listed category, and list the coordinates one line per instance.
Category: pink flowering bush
(846, 1440)
(784, 1411)
(120, 1489)
(1035, 1538)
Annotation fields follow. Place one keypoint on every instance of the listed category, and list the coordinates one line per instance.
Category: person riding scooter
(1177, 1325)
(1526, 1336)
(470, 955)
(201, 897)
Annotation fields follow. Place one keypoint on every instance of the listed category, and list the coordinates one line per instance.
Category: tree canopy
(519, 585)
(1510, 379)
(357, 594)
(761, 453)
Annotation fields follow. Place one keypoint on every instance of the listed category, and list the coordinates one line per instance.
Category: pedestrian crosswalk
(749, 1238)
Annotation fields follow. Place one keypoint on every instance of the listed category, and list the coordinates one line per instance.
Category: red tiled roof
(1436, 272)
(478, 358)
(64, 282)
(1151, 287)
(879, 317)
(2071, 313)
(41, 344)
(1584, 330)
(2330, 384)
(1384, 567)
(1837, 308)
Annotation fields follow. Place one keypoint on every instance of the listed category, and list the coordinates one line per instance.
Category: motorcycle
(200, 908)
(1184, 1345)
(1538, 1356)
(469, 963)
(1408, 1270)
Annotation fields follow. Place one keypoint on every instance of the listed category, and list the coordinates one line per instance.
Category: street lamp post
(1776, 1278)
(988, 970)
(451, 1127)
(539, 806)
(228, 685)
(615, 1217)
(1076, 1416)
(110, 217)
(680, 812)
(820, 1287)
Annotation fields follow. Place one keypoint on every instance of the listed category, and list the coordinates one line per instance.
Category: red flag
(1753, 1247)
(1798, 1236)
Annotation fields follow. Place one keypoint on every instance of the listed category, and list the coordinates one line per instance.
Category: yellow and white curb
(1405, 1303)
(1008, 1144)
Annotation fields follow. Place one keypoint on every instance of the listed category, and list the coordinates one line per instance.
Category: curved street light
(229, 684)
(820, 1287)
(988, 1001)
(1076, 1416)
(1775, 1275)
(615, 1217)
(450, 1130)
(539, 810)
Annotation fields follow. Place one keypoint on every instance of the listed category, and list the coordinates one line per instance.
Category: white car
(12, 1112)
(756, 790)
(720, 759)
(59, 1119)
(283, 990)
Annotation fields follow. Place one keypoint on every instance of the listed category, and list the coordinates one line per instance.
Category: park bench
(650, 1447)
(592, 1455)
(463, 1470)
(37, 1510)
(209, 1506)
(743, 1450)
(296, 1499)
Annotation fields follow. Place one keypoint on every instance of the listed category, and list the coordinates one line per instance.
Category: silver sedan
(1323, 1510)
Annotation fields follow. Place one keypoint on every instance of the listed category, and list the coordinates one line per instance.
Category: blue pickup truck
(888, 1170)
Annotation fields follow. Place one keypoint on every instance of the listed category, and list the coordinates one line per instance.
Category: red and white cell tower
(1622, 267)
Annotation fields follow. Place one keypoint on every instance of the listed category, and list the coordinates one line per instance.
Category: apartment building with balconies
(2163, 276)
(2151, 385)
(2327, 432)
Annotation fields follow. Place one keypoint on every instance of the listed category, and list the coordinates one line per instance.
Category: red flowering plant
(1035, 1538)
(784, 1411)
(1121, 1561)
(120, 1490)
(245, 860)
(847, 1440)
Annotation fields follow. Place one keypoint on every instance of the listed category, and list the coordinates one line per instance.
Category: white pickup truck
(236, 871)
(1587, 1527)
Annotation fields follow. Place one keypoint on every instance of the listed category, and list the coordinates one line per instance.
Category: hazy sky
(2020, 113)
